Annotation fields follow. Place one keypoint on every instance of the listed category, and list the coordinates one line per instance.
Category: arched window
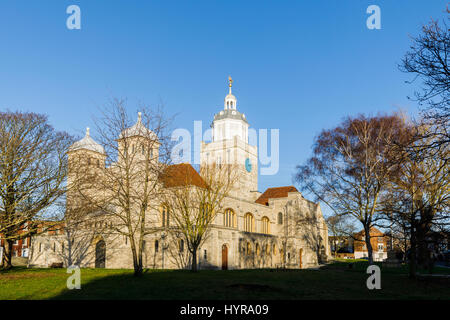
(249, 248)
(265, 225)
(181, 245)
(274, 249)
(229, 218)
(249, 222)
(143, 149)
(280, 218)
(267, 249)
(165, 216)
(156, 245)
(257, 250)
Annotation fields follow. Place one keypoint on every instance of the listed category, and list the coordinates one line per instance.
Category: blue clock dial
(248, 165)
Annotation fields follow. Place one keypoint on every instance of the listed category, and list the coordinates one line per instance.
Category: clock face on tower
(248, 165)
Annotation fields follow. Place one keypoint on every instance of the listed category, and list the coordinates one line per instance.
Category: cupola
(87, 143)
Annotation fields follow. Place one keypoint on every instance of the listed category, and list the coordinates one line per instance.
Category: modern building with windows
(275, 228)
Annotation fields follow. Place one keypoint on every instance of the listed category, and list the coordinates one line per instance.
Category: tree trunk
(335, 249)
(7, 254)
(368, 244)
(137, 269)
(412, 254)
(194, 260)
(137, 265)
(423, 252)
(405, 250)
(423, 230)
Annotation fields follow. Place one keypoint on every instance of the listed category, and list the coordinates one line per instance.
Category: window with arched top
(181, 245)
(257, 250)
(249, 222)
(229, 218)
(165, 216)
(249, 248)
(156, 245)
(265, 222)
(280, 218)
(274, 249)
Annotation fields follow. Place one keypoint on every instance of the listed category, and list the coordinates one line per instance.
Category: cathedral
(277, 228)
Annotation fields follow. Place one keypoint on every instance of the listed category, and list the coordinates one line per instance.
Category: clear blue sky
(299, 66)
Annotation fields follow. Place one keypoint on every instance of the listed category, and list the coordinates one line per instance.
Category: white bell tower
(230, 146)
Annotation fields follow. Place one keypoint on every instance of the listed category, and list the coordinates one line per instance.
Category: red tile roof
(182, 174)
(280, 192)
(373, 233)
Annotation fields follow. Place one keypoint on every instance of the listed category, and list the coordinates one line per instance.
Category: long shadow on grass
(178, 285)
(335, 281)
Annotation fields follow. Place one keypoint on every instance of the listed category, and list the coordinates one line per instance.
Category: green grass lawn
(334, 281)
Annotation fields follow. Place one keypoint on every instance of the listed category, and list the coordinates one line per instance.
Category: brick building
(378, 240)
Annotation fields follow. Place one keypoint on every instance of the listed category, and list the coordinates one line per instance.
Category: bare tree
(428, 61)
(121, 180)
(419, 197)
(341, 228)
(33, 168)
(194, 200)
(351, 166)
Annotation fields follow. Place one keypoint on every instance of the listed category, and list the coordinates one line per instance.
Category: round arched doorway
(224, 257)
(100, 254)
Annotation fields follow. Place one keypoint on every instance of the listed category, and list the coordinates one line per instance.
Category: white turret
(87, 143)
(230, 99)
(230, 123)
